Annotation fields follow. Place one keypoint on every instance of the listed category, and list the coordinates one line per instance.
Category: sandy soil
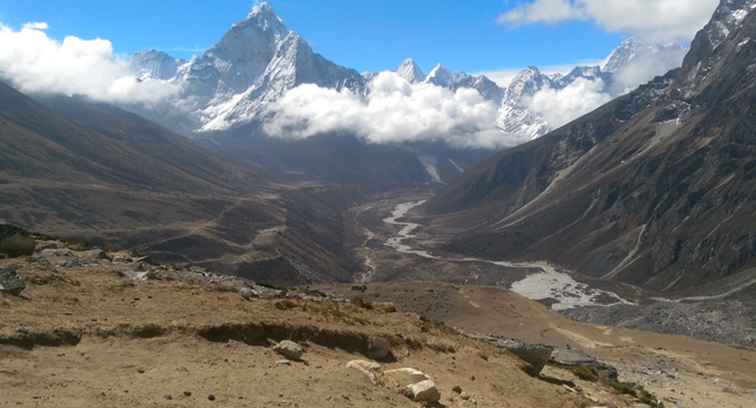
(89, 337)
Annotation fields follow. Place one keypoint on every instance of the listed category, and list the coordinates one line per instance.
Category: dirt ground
(90, 336)
(681, 371)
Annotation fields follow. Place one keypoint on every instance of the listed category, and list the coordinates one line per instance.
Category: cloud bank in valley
(560, 106)
(36, 63)
(394, 111)
(651, 20)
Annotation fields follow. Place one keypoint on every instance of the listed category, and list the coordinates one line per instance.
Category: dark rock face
(10, 282)
(655, 188)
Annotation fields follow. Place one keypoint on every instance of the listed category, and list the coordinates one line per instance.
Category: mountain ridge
(651, 189)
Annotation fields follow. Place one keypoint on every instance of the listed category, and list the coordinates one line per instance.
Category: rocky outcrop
(10, 282)
(289, 349)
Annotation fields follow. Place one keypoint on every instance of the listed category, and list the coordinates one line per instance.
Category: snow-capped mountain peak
(526, 83)
(410, 71)
(256, 62)
(632, 50)
(154, 64)
(440, 76)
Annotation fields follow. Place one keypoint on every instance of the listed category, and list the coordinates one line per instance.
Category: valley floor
(402, 244)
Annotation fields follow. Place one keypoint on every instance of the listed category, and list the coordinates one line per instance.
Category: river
(546, 282)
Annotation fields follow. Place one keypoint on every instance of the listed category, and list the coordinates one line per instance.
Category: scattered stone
(359, 288)
(187, 393)
(385, 307)
(457, 389)
(424, 391)
(41, 245)
(139, 276)
(289, 349)
(54, 253)
(92, 255)
(405, 376)
(369, 368)
(248, 293)
(72, 263)
(10, 282)
(211, 397)
(283, 363)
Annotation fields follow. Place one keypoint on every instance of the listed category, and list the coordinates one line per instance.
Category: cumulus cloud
(394, 111)
(646, 66)
(542, 11)
(34, 62)
(560, 106)
(654, 20)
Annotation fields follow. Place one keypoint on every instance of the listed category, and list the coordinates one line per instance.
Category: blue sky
(463, 35)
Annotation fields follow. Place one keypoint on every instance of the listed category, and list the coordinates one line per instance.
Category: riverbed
(545, 283)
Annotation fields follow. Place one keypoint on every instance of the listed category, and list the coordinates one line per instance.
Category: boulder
(536, 355)
(91, 255)
(248, 293)
(289, 349)
(10, 282)
(424, 391)
(404, 377)
(369, 369)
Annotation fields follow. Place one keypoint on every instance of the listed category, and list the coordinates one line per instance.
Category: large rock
(369, 369)
(10, 282)
(404, 377)
(289, 349)
(424, 391)
(92, 255)
(536, 355)
(248, 293)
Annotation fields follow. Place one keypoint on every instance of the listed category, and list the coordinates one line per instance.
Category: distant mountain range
(259, 59)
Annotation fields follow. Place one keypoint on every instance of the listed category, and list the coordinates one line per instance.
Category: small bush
(17, 245)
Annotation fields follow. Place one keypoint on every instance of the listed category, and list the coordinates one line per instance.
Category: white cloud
(542, 11)
(34, 62)
(559, 107)
(644, 67)
(394, 111)
(653, 20)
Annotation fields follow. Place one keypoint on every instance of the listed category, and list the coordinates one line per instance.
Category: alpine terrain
(258, 226)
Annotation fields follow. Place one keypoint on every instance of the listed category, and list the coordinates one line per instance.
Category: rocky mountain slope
(155, 64)
(654, 188)
(92, 172)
